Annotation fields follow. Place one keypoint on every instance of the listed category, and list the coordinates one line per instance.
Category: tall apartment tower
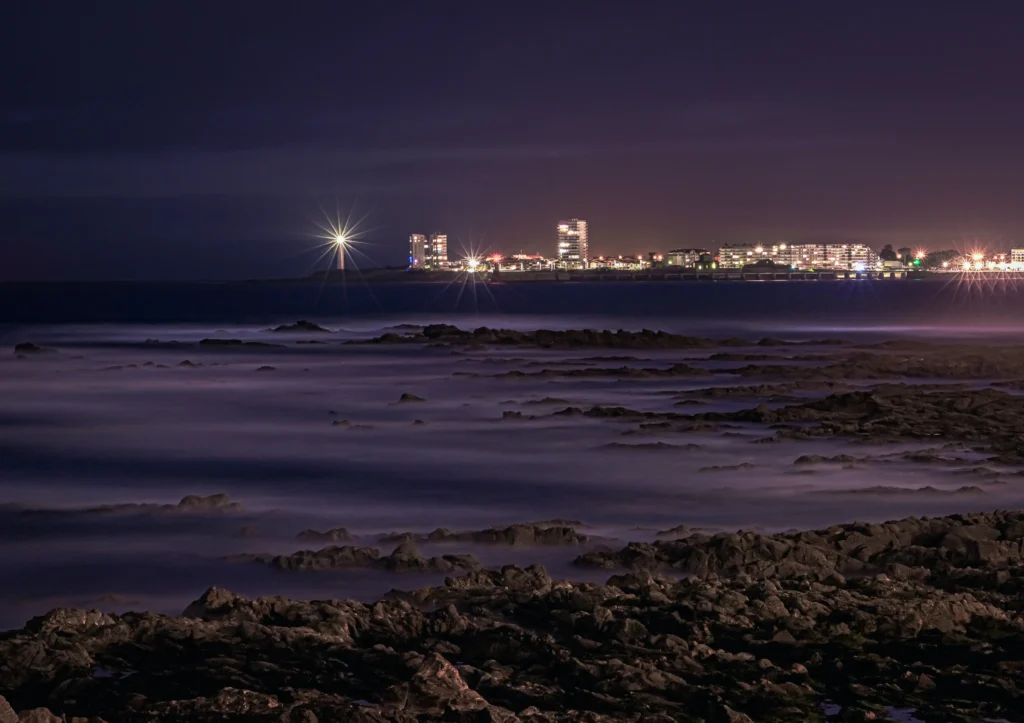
(437, 251)
(573, 251)
(417, 251)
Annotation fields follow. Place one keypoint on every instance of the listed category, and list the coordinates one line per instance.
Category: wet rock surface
(27, 348)
(189, 504)
(302, 325)
(886, 412)
(896, 411)
(405, 558)
(943, 545)
(919, 613)
(338, 534)
(554, 532)
(577, 338)
(238, 344)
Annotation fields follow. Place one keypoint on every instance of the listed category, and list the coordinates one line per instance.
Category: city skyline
(669, 124)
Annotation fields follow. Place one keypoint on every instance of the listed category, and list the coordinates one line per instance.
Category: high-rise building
(437, 252)
(1017, 256)
(573, 250)
(417, 251)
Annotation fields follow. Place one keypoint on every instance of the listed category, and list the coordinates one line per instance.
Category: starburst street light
(340, 237)
(340, 240)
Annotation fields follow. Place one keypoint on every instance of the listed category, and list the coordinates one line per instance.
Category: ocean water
(112, 419)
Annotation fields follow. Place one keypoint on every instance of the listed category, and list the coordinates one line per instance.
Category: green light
(917, 262)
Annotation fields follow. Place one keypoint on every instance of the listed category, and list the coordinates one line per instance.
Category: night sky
(180, 140)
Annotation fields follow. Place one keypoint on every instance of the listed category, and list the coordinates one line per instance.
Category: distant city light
(920, 254)
(977, 256)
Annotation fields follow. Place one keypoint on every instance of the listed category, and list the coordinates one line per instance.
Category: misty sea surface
(312, 433)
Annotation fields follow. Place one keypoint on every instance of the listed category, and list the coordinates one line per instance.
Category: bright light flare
(978, 256)
(340, 237)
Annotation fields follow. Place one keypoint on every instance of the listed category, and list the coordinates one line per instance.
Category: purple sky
(200, 140)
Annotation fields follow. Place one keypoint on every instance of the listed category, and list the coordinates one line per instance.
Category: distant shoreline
(397, 276)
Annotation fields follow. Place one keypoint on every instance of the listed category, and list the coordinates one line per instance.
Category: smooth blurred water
(112, 419)
(943, 303)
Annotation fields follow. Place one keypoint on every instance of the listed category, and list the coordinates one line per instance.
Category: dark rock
(939, 544)
(239, 344)
(513, 535)
(38, 715)
(727, 467)
(219, 501)
(818, 459)
(338, 534)
(27, 348)
(266, 368)
(303, 326)
(767, 632)
(650, 447)
(407, 397)
(406, 558)
(7, 714)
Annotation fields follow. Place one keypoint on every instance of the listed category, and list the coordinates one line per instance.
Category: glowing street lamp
(341, 240)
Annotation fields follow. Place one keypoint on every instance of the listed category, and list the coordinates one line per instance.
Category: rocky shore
(847, 623)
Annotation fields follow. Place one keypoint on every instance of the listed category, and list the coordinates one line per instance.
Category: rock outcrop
(939, 632)
(405, 558)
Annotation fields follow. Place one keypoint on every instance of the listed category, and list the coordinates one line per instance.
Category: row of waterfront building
(573, 252)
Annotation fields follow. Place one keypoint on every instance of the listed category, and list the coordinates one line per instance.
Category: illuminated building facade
(1017, 257)
(620, 263)
(736, 256)
(838, 257)
(573, 248)
(417, 250)
(687, 258)
(436, 252)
